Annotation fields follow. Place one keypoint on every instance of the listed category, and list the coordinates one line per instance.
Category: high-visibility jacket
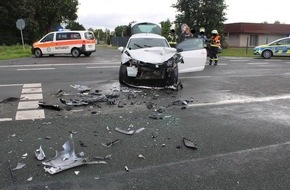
(172, 39)
(215, 41)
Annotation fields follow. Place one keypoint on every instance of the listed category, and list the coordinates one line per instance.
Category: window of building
(254, 40)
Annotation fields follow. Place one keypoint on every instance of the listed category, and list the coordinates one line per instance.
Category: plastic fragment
(109, 144)
(39, 153)
(30, 179)
(141, 156)
(156, 117)
(11, 171)
(19, 166)
(77, 172)
(124, 132)
(126, 168)
(140, 130)
(189, 144)
(49, 106)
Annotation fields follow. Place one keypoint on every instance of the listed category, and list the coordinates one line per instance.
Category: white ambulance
(65, 42)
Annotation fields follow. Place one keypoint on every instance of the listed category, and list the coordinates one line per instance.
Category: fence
(119, 41)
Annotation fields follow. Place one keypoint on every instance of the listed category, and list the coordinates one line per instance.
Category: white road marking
(103, 67)
(61, 64)
(286, 74)
(31, 90)
(31, 97)
(33, 85)
(242, 101)
(5, 119)
(30, 115)
(260, 63)
(239, 60)
(35, 69)
(10, 85)
(196, 77)
(28, 105)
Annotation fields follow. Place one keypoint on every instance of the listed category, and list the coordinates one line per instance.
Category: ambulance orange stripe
(65, 43)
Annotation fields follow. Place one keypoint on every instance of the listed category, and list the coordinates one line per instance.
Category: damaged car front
(148, 60)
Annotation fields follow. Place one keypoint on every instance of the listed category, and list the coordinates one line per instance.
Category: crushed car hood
(153, 55)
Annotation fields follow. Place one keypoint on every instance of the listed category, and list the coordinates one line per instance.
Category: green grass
(15, 51)
(237, 52)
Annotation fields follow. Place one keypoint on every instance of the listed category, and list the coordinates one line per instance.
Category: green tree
(72, 25)
(165, 25)
(201, 13)
(277, 22)
(120, 30)
(100, 35)
(40, 17)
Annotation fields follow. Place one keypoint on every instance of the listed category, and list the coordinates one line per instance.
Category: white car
(148, 59)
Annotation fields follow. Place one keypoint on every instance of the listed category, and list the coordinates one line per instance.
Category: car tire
(75, 52)
(122, 73)
(37, 52)
(87, 54)
(267, 54)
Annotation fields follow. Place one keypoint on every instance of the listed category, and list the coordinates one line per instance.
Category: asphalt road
(238, 117)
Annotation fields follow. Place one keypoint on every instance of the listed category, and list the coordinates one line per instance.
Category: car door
(194, 55)
(281, 47)
(47, 44)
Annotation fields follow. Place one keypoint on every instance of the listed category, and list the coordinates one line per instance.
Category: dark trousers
(213, 51)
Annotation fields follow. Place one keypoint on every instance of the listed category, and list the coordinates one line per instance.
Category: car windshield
(137, 43)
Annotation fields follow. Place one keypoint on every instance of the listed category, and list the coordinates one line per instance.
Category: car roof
(147, 35)
(279, 39)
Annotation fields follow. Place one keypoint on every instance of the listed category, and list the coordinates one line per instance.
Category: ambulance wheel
(75, 52)
(37, 53)
(87, 54)
(267, 54)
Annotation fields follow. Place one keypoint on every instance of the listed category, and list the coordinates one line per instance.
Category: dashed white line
(35, 69)
(10, 85)
(196, 77)
(33, 85)
(240, 60)
(242, 101)
(5, 119)
(261, 63)
(30, 114)
(103, 67)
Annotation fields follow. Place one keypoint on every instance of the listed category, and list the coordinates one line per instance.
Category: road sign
(20, 24)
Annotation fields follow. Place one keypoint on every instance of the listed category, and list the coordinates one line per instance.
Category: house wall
(240, 40)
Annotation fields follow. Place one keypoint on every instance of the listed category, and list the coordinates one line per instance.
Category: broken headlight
(134, 62)
(170, 62)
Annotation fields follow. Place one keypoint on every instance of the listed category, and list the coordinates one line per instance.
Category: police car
(280, 47)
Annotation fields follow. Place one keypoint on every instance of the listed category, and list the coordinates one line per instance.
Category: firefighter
(202, 35)
(214, 47)
(172, 38)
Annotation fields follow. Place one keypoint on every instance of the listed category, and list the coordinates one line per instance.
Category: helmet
(202, 29)
(214, 32)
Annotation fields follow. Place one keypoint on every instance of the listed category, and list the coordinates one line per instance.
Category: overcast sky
(111, 13)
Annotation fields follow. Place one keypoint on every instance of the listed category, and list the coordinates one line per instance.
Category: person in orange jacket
(215, 45)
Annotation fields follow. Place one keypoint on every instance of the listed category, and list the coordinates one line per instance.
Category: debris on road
(189, 144)
(49, 106)
(11, 171)
(156, 117)
(150, 105)
(180, 102)
(126, 168)
(140, 130)
(109, 144)
(81, 88)
(73, 102)
(114, 94)
(19, 166)
(141, 156)
(48, 137)
(103, 157)
(39, 153)
(30, 179)
(77, 172)
(46, 123)
(124, 132)
(65, 159)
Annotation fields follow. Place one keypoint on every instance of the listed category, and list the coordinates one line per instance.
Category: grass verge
(238, 52)
(15, 51)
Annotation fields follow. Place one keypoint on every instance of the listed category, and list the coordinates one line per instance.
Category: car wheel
(122, 73)
(87, 54)
(267, 54)
(75, 52)
(37, 53)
